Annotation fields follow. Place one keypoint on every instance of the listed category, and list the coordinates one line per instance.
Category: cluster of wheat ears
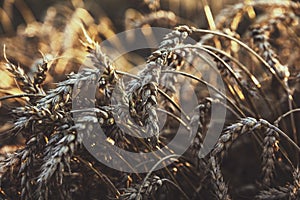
(254, 46)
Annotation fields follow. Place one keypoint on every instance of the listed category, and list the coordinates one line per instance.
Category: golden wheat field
(149, 99)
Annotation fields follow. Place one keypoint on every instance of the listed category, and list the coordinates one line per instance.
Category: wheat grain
(268, 156)
(220, 188)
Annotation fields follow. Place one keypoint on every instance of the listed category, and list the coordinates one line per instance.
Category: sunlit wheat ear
(143, 99)
(22, 79)
(134, 19)
(28, 169)
(40, 75)
(110, 83)
(148, 189)
(175, 59)
(232, 16)
(261, 40)
(62, 145)
(53, 163)
(52, 150)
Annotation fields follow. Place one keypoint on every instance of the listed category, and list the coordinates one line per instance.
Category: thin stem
(218, 33)
(20, 96)
(175, 117)
(229, 69)
(276, 122)
(177, 187)
(247, 72)
(101, 175)
(208, 85)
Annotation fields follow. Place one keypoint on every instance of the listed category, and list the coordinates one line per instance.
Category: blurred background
(16, 12)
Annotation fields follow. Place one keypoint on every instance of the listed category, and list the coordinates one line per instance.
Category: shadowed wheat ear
(270, 146)
(231, 134)
(220, 187)
(57, 160)
(289, 191)
(245, 125)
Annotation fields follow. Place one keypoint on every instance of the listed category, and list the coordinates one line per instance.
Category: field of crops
(149, 99)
